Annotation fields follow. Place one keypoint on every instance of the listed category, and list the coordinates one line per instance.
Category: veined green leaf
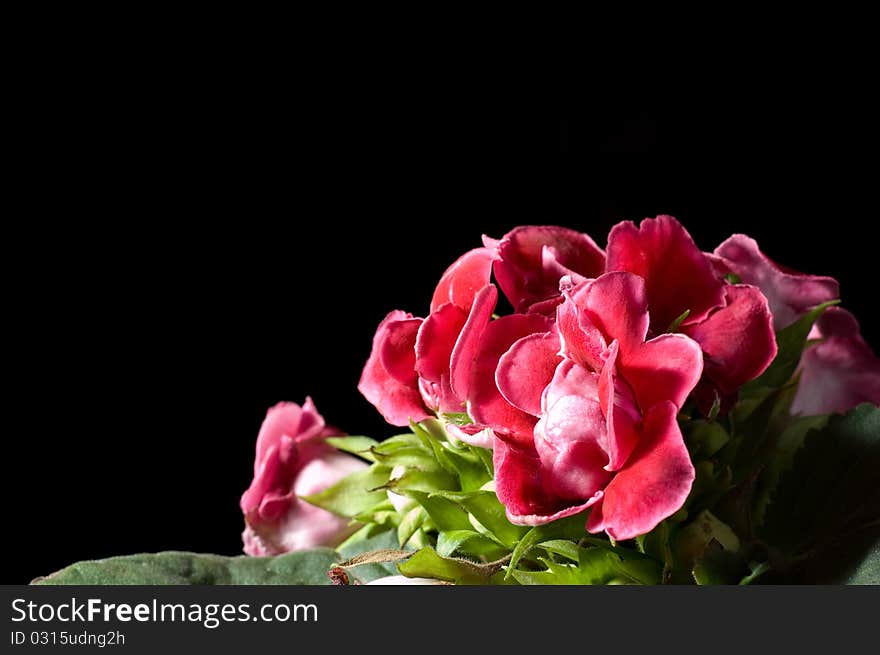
(468, 542)
(426, 563)
(305, 567)
(360, 446)
(351, 495)
(446, 515)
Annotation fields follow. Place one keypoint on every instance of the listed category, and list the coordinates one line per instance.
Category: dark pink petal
(617, 305)
(677, 275)
(790, 294)
(840, 372)
(738, 341)
(486, 405)
(461, 281)
(581, 341)
(466, 347)
(620, 410)
(667, 367)
(435, 342)
(274, 472)
(520, 486)
(526, 369)
(533, 258)
(396, 401)
(653, 485)
(398, 351)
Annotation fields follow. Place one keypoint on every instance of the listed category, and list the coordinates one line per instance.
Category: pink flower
(533, 258)
(584, 410)
(789, 293)
(839, 372)
(293, 460)
(731, 322)
(419, 366)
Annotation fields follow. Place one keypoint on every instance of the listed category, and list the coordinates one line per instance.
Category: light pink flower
(789, 293)
(292, 460)
(839, 372)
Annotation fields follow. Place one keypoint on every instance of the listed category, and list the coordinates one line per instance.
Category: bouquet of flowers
(646, 414)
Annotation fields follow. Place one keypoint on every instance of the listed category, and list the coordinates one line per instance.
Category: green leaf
(360, 446)
(705, 438)
(787, 445)
(595, 566)
(446, 515)
(678, 321)
(488, 514)
(351, 495)
(705, 533)
(485, 456)
(757, 569)
(305, 567)
(468, 542)
(830, 496)
(411, 522)
(426, 563)
(567, 528)
(562, 547)
(427, 481)
(465, 466)
(790, 342)
(719, 567)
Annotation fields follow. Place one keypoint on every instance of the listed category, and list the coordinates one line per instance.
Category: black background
(187, 257)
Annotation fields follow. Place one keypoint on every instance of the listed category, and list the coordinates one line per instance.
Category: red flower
(584, 411)
(533, 258)
(419, 366)
(731, 322)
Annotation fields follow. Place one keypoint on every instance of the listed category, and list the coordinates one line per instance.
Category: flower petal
(617, 305)
(667, 367)
(737, 340)
(581, 341)
(396, 401)
(486, 405)
(677, 275)
(464, 279)
(520, 486)
(398, 352)
(790, 294)
(435, 341)
(653, 485)
(531, 259)
(526, 369)
(468, 343)
(621, 412)
(570, 439)
(840, 372)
